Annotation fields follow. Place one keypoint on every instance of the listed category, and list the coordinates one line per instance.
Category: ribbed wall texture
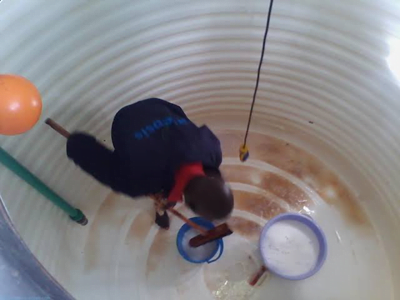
(328, 83)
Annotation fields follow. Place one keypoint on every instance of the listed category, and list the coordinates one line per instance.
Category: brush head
(213, 234)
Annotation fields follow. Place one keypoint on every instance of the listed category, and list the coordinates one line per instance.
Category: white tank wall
(330, 62)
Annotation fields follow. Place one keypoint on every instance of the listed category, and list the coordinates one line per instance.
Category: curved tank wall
(324, 139)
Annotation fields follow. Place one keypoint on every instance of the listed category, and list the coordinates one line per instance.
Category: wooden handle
(57, 128)
(199, 228)
(192, 224)
(253, 281)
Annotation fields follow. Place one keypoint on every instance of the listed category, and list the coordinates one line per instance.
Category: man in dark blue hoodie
(158, 150)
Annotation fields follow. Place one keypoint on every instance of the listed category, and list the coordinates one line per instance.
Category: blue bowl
(208, 225)
(308, 221)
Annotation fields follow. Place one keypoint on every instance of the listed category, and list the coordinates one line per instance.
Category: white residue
(199, 253)
(291, 248)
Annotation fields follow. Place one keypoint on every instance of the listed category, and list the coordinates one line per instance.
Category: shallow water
(125, 256)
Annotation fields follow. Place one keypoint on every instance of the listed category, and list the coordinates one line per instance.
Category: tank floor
(122, 254)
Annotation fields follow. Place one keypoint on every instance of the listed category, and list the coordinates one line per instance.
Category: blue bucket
(219, 244)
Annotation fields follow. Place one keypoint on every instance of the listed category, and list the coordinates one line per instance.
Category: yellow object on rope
(244, 153)
(244, 150)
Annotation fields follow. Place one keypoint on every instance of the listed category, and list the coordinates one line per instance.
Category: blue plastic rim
(308, 221)
(208, 225)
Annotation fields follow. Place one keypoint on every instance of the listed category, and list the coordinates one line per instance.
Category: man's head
(209, 197)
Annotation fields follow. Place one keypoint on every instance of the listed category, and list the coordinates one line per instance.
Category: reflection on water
(125, 250)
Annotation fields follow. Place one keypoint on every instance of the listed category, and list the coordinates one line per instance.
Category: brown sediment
(140, 226)
(348, 204)
(157, 250)
(302, 165)
(259, 205)
(275, 184)
(246, 228)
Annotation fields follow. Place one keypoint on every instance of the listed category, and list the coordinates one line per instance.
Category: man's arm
(97, 160)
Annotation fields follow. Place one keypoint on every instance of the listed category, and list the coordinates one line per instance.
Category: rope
(258, 73)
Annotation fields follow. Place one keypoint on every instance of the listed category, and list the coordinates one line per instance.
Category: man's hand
(161, 203)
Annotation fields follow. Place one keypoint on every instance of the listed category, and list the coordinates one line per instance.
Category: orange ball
(20, 105)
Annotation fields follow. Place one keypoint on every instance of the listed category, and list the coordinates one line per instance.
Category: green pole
(18, 169)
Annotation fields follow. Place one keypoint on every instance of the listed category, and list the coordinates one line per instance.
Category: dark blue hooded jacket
(152, 139)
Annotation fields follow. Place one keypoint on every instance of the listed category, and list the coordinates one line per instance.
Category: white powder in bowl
(200, 253)
(290, 247)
